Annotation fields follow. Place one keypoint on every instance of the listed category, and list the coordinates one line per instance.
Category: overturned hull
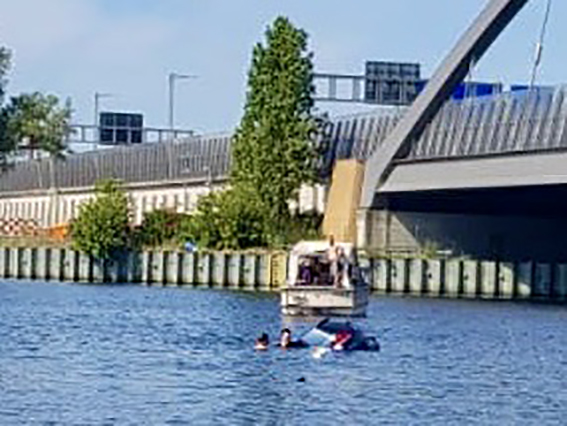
(324, 301)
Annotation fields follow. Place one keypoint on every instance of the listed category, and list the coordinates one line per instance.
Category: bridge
(486, 177)
(476, 179)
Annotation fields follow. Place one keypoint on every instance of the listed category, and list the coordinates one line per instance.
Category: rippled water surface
(128, 355)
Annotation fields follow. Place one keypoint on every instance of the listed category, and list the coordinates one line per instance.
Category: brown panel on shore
(343, 201)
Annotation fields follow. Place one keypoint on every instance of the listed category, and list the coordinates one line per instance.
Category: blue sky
(74, 48)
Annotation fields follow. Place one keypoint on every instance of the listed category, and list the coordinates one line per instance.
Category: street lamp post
(97, 97)
(172, 78)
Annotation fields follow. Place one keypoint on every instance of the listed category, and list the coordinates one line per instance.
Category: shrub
(102, 226)
(159, 227)
(225, 220)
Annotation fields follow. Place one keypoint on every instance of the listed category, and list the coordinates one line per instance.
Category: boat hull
(324, 301)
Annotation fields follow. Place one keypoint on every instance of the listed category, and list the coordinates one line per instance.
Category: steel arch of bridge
(486, 28)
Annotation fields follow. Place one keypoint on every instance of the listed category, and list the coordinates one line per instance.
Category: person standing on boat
(333, 259)
(342, 268)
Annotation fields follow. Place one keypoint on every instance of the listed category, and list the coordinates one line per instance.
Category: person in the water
(285, 338)
(286, 341)
(262, 342)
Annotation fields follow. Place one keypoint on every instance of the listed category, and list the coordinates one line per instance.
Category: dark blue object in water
(324, 334)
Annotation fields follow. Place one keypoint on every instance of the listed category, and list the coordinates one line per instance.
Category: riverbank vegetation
(104, 227)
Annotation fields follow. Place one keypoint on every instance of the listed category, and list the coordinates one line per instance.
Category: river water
(128, 355)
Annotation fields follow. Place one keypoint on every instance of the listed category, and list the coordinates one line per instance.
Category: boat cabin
(311, 264)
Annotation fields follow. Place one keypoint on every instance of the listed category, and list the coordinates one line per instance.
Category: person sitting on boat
(286, 341)
(306, 272)
(262, 342)
(318, 271)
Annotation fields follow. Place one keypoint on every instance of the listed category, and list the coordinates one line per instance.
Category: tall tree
(37, 122)
(274, 147)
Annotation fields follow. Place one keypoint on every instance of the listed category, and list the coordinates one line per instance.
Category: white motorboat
(316, 287)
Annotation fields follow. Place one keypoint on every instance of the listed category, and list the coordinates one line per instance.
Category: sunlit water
(128, 355)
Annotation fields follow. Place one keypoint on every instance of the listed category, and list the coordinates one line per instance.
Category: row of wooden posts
(253, 271)
(268, 272)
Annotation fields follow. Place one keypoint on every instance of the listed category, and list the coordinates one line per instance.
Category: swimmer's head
(262, 342)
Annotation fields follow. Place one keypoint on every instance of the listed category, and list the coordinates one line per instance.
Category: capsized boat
(315, 288)
(326, 333)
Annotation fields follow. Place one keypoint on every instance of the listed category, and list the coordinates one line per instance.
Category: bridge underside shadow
(520, 223)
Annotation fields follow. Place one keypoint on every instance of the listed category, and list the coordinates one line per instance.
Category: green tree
(274, 150)
(37, 122)
(102, 228)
